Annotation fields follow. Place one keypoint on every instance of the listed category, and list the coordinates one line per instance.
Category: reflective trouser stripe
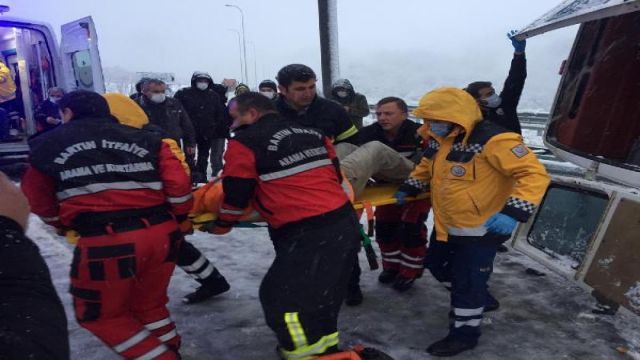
(132, 341)
(410, 265)
(312, 351)
(158, 350)
(471, 322)
(168, 336)
(206, 272)
(468, 312)
(468, 317)
(411, 258)
(295, 330)
(196, 264)
(158, 324)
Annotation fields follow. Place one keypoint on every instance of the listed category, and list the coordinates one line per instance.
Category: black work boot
(402, 283)
(450, 346)
(213, 285)
(387, 276)
(492, 303)
(354, 296)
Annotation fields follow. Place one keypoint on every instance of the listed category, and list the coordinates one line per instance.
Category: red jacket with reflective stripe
(288, 172)
(96, 167)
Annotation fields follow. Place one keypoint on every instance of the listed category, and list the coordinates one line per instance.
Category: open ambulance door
(595, 118)
(80, 56)
(589, 229)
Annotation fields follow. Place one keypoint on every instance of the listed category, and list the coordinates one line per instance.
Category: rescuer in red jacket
(124, 191)
(290, 174)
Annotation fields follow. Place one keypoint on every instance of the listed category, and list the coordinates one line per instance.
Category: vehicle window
(566, 222)
(82, 69)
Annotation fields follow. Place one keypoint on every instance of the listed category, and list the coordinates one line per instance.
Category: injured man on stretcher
(359, 164)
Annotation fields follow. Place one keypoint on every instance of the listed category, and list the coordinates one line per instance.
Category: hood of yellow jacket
(127, 111)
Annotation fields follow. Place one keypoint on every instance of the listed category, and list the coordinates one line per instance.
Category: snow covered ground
(540, 318)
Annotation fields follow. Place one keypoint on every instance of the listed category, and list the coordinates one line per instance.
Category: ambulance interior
(27, 54)
(32, 56)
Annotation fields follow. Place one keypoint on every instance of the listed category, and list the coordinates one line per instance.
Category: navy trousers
(467, 265)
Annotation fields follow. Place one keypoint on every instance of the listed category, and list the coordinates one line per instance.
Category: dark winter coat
(322, 114)
(205, 110)
(33, 324)
(172, 118)
(506, 115)
(358, 106)
(44, 110)
(408, 142)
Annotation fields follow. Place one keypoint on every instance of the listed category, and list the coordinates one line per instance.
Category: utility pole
(328, 21)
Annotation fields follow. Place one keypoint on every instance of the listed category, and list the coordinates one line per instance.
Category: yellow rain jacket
(131, 114)
(476, 171)
(7, 85)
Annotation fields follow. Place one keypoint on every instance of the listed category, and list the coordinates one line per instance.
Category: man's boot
(402, 283)
(213, 285)
(387, 276)
(450, 346)
(354, 296)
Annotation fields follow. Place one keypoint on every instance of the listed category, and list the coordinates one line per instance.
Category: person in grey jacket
(354, 103)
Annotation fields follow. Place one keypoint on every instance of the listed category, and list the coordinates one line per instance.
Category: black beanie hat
(85, 104)
(268, 84)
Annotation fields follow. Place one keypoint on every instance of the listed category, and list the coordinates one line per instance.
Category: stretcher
(208, 198)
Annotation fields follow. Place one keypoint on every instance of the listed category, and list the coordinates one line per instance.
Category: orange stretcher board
(376, 195)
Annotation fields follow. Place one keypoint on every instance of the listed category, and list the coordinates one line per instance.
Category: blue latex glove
(400, 197)
(501, 224)
(518, 45)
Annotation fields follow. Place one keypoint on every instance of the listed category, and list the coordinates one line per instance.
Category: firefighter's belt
(123, 225)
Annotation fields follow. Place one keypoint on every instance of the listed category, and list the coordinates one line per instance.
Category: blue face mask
(493, 101)
(441, 128)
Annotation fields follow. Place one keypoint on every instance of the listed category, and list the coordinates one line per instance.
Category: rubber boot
(213, 285)
(450, 346)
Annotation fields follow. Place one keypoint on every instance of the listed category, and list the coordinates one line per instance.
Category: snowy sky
(385, 48)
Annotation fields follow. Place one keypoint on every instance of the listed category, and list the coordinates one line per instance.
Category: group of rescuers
(120, 180)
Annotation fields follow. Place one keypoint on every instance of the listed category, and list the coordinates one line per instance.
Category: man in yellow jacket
(483, 180)
(7, 85)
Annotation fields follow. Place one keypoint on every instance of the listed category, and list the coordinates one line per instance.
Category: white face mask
(158, 98)
(54, 99)
(202, 85)
(268, 93)
(342, 93)
(493, 101)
